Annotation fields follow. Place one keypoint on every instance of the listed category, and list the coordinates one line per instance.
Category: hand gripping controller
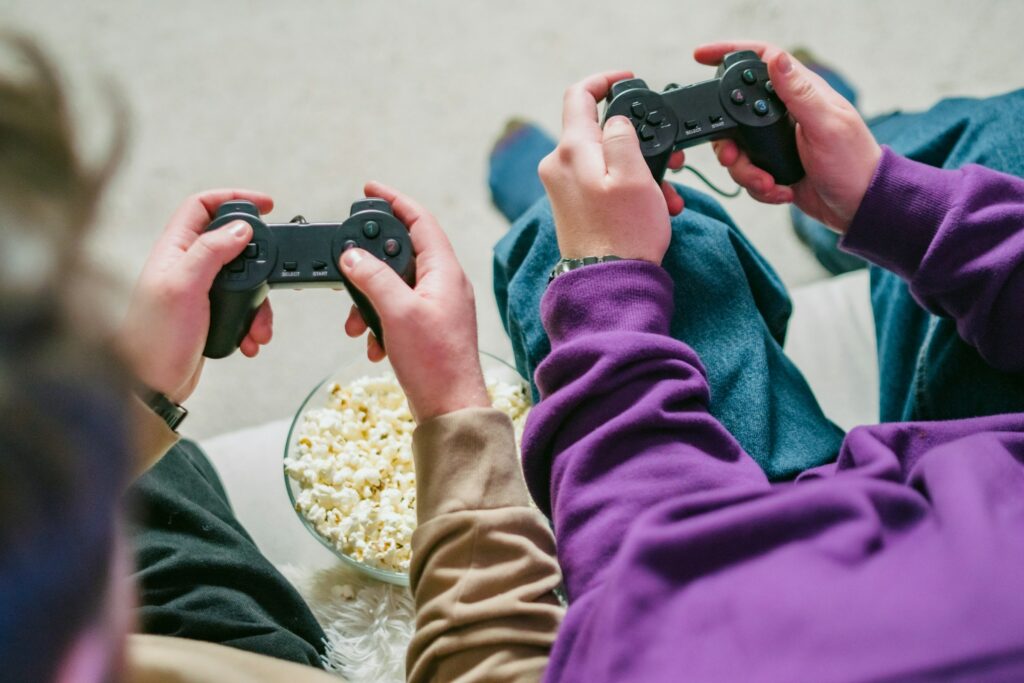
(299, 255)
(739, 103)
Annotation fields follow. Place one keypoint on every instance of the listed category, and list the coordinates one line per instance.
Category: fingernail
(620, 122)
(240, 229)
(351, 257)
(785, 63)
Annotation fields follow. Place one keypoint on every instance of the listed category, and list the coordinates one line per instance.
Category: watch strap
(568, 264)
(166, 409)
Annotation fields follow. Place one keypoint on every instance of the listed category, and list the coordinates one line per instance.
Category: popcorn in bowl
(353, 466)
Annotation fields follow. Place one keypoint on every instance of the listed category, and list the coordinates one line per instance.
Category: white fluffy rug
(368, 623)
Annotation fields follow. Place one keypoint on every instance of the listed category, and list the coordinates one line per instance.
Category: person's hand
(604, 199)
(431, 327)
(165, 330)
(838, 151)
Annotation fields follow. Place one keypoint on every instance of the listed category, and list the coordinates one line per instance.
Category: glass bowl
(493, 367)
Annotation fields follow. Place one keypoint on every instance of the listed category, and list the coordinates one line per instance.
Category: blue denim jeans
(732, 308)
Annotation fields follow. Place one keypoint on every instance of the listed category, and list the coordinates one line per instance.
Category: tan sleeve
(484, 568)
(153, 438)
(161, 659)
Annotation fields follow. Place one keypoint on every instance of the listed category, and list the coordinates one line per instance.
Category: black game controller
(299, 255)
(738, 103)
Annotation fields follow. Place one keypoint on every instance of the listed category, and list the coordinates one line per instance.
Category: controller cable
(714, 188)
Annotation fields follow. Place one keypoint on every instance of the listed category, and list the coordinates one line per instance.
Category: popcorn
(355, 472)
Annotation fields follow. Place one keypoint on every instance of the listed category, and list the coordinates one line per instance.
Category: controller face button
(737, 96)
(349, 244)
(749, 77)
(691, 124)
(291, 265)
(655, 118)
(638, 109)
(319, 265)
(645, 133)
(252, 250)
(236, 266)
(371, 229)
(392, 247)
(769, 87)
(760, 107)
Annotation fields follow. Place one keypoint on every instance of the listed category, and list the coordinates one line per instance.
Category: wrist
(470, 396)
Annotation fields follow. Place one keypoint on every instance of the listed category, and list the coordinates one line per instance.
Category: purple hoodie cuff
(903, 207)
(630, 296)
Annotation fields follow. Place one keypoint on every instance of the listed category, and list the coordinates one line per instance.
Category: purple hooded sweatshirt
(904, 560)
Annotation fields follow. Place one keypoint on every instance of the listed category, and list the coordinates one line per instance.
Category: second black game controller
(299, 255)
(739, 103)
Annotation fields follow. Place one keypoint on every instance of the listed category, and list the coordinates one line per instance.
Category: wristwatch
(166, 409)
(567, 264)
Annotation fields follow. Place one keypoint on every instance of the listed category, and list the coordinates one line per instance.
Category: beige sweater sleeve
(483, 570)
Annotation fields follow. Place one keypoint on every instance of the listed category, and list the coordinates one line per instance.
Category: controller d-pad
(252, 250)
(638, 109)
(655, 118)
(645, 133)
(237, 266)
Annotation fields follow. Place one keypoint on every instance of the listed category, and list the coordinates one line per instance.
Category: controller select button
(760, 107)
(371, 229)
(749, 77)
(655, 118)
(645, 133)
(691, 124)
(252, 250)
(737, 96)
(291, 265)
(392, 247)
(638, 109)
(319, 265)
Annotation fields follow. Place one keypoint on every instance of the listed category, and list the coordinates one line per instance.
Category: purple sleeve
(624, 408)
(681, 562)
(957, 237)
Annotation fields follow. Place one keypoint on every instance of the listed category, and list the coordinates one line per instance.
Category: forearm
(957, 237)
(483, 571)
(623, 424)
(153, 438)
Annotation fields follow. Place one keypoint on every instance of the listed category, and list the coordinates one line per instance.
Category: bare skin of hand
(430, 327)
(165, 330)
(603, 197)
(838, 151)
